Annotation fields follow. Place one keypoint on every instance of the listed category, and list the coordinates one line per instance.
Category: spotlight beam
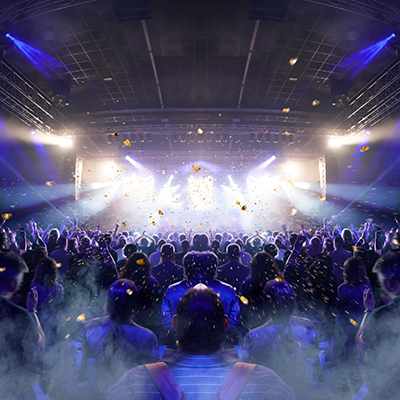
(13, 170)
(382, 175)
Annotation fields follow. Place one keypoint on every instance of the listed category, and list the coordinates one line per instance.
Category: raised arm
(339, 228)
(74, 228)
(369, 305)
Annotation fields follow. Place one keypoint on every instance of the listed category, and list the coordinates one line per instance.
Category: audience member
(20, 333)
(114, 344)
(167, 272)
(233, 272)
(200, 267)
(148, 305)
(262, 269)
(200, 366)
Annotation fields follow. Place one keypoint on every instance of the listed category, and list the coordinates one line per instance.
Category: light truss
(376, 101)
(26, 102)
(176, 129)
(372, 9)
(29, 9)
(182, 156)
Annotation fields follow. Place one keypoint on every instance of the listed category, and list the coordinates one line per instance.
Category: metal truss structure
(29, 9)
(376, 101)
(26, 102)
(182, 156)
(187, 129)
(372, 9)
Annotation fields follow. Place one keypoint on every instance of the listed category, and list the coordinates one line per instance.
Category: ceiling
(209, 76)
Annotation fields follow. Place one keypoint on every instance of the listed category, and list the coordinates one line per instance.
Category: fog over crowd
(312, 314)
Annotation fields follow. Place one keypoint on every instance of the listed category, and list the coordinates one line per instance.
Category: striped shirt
(200, 377)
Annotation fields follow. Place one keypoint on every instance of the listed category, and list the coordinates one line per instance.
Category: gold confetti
(58, 265)
(351, 151)
(199, 131)
(293, 61)
(197, 169)
(278, 279)
(288, 133)
(293, 211)
(68, 319)
(238, 203)
(140, 261)
(244, 208)
(321, 198)
(160, 212)
(116, 134)
(49, 183)
(105, 195)
(153, 223)
(6, 216)
(81, 318)
(276, 190)
(67, 336)
(353, 322)
(129, 291)
(2, 269)
(290, 182)
(315, 102)
(286, 110)
(364, 148)
(127, 143)
(349, 166)
(244, 300)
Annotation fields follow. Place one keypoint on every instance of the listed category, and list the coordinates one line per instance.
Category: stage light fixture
(335, 142)
(65, 142)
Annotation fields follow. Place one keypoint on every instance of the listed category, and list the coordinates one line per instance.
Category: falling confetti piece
(244, 300)
(199, 131)
(364, 148)
(49, 183)
(353, 322)
(58, 265)
(244, 208)
(2, 269)
(197, 169)
(127, 143)
(6, 216)
(290, 182)
(321, 198)
(116, 134)
(81, 318)
(349, 166)
(315, 102)
(293, 211)
(160, 212)
(238, 203)
(293, 61)
(351, 151)
(286, 110)
(68, 319)
(278, 279)
(124, 224)
(153, 223)
(276, 190)
(129, 291)
(67, 336)
(288, 133)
